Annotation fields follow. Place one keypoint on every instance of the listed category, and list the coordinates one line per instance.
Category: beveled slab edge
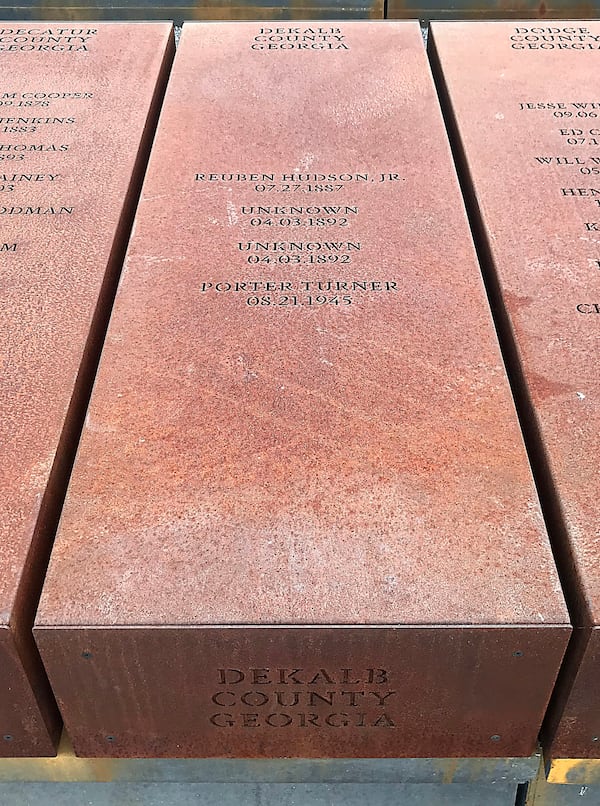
(40, 627)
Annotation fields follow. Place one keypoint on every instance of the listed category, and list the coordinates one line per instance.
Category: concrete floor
(97, 794)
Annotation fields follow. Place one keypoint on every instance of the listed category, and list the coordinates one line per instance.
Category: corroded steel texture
(202, 10)
(528, 126)
(301, 416)
(326, 692)
(492, 10)
(297, 10)
(28, 714)
(577, 733)
(74, 113)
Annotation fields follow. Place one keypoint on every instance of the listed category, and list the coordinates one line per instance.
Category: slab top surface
(301, 414)
(529, 122)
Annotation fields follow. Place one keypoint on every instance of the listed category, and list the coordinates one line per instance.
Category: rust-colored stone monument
(302, 521)
(77, 106)
(528, 124)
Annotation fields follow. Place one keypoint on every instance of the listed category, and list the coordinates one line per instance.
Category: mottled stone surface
(265, 456)
(529, 124)
(74, 109)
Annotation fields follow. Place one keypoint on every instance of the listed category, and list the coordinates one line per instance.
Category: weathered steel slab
(302, 521)
(76, 109)
(492, 9)
(528, 128)
(202, 10)
(573, 729)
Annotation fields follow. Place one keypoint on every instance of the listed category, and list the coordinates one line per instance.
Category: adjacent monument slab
(271, 11)
(77, 107)
(528, 125)
(483, 9)
(302, 521)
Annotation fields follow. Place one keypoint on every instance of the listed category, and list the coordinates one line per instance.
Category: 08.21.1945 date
(290, 300)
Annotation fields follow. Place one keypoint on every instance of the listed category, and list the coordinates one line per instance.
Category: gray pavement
(97, 794)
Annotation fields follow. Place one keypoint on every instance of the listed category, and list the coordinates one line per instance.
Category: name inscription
(317, 249)
(579, 162)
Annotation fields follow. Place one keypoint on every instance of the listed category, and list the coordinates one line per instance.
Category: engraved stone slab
(76, 111)
(302, 521)
(529, 125)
